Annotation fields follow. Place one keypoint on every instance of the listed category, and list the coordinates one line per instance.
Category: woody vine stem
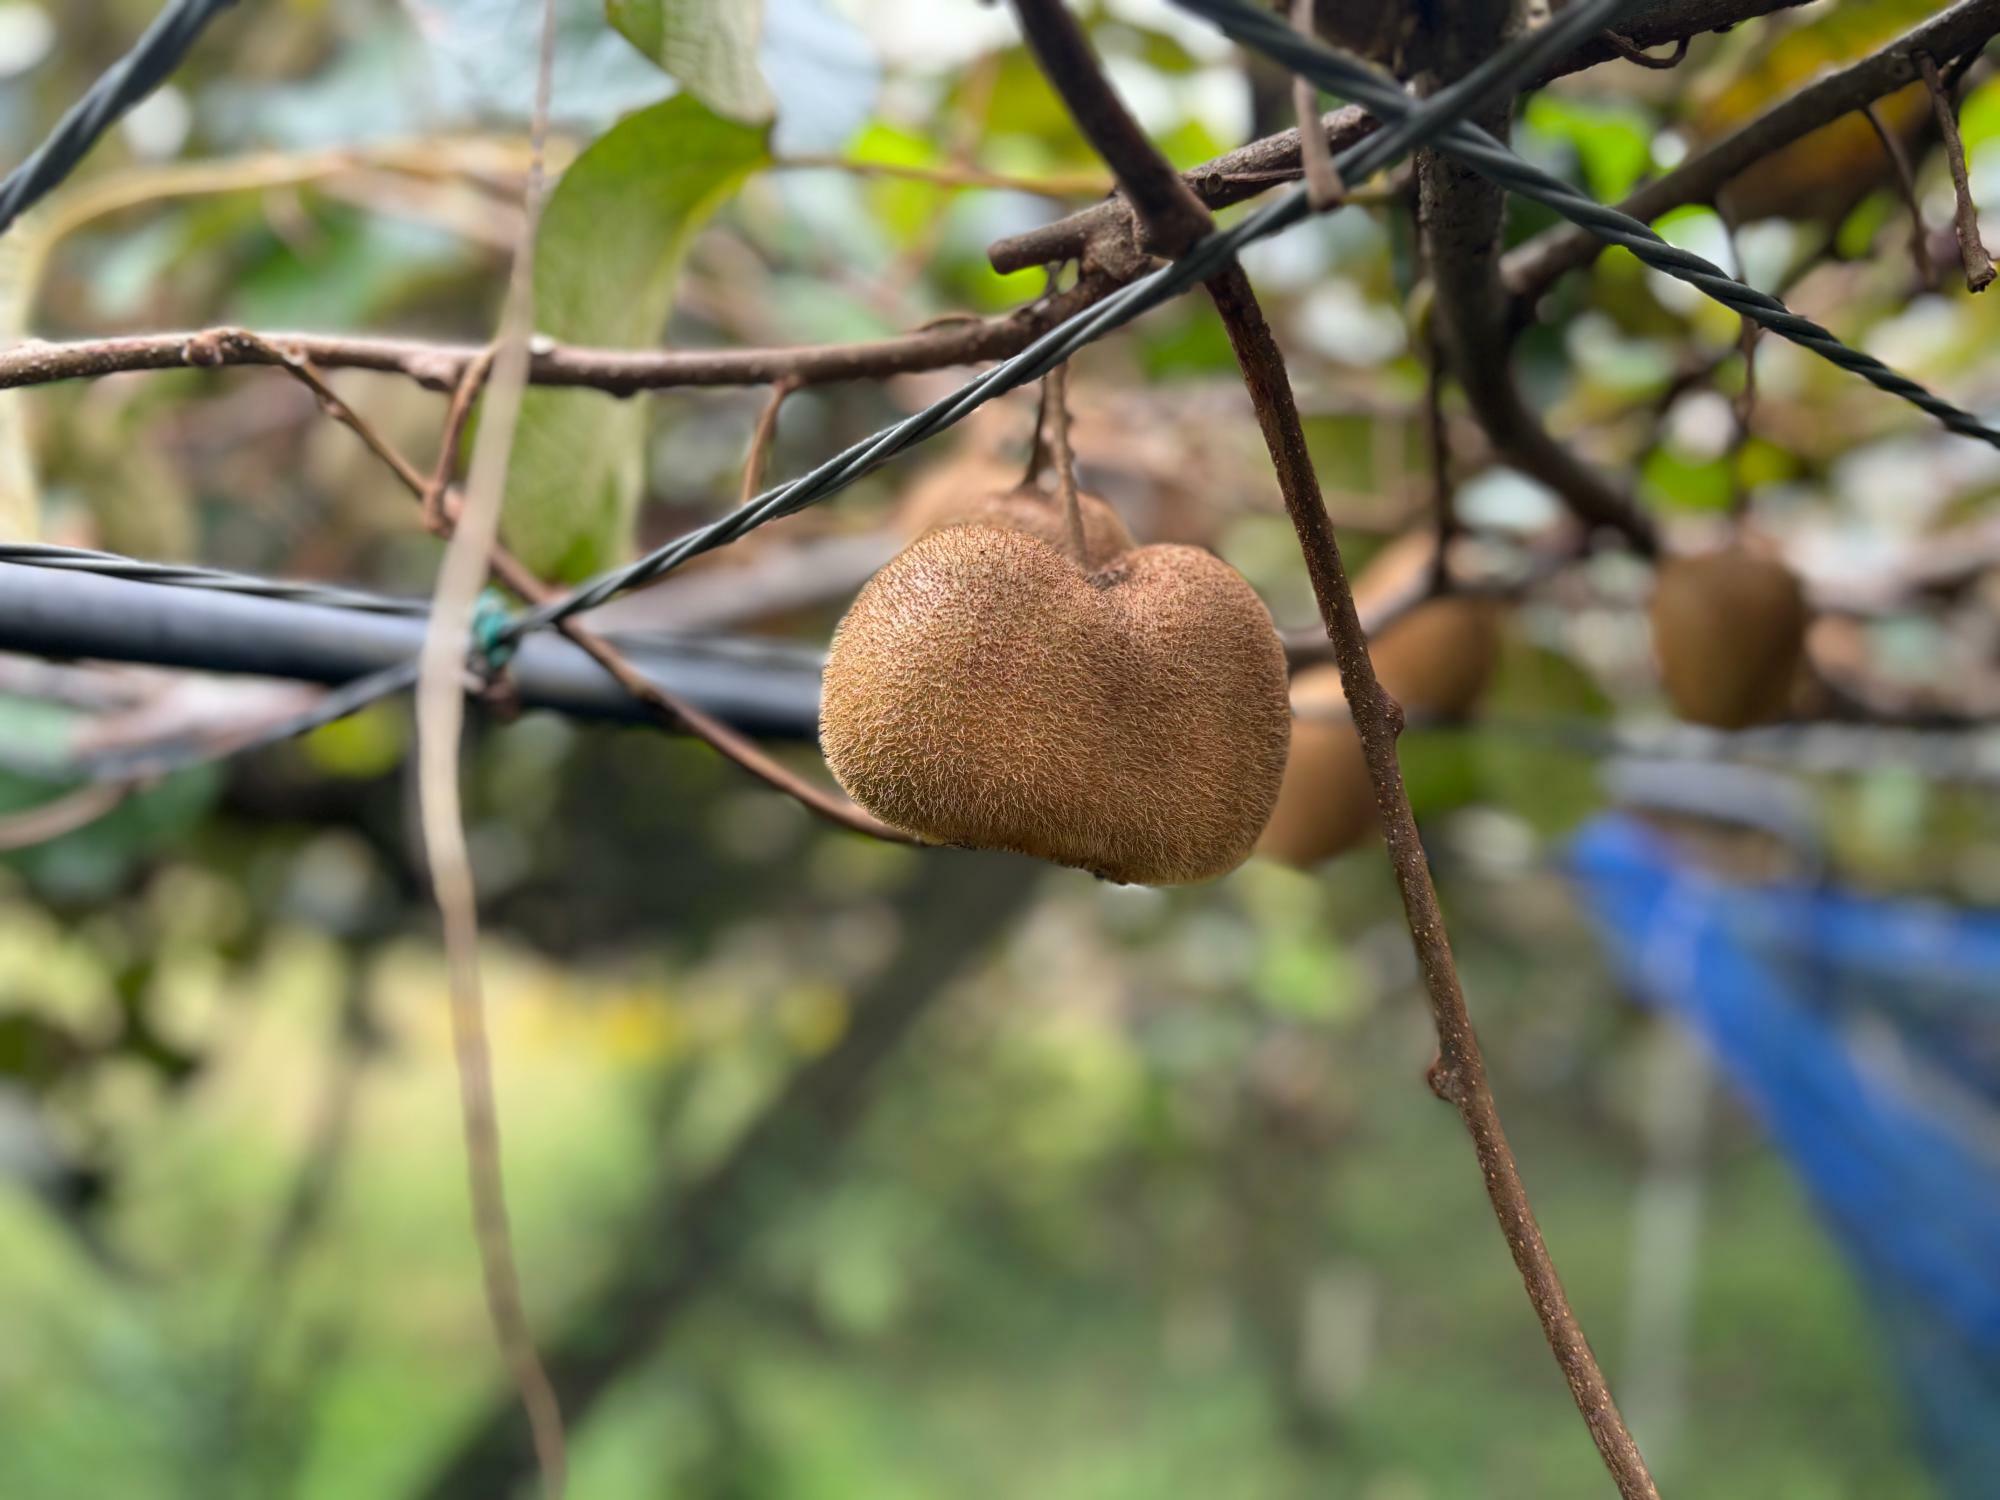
(1172, 218)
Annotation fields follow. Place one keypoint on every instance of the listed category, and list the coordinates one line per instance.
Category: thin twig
(1906, 185)
(1460, 1073)
(677, 713)
(1052, 426)
(1171, 215)
(433, 492)
(440, 724)
(1530, 269)
(761, 435)
(1643, 58)
(1437, 437)
(74, 809)
(621, 372)
(1322, 177)
(1744, 410)
(313, 379)
(1971, 250)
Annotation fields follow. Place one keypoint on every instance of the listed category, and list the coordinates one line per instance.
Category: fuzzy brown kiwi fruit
(1729, 632)
(1130, 719)
(1022, 508)
(1435, 660)
(1326, 803)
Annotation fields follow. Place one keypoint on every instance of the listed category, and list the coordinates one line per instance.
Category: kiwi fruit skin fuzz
(1436, 660)
(1129, 719)
(1729, 631)
(1024, 509)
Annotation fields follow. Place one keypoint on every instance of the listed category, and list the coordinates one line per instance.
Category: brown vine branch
(761, 436)
(1323, 185)
(620, 372)
(74, 809)
(1171, 216)
(1052, 442)
(1529, 270)
(1965, 219)
(1107, 235)
(1645, 59)
(1460, 1073)
(1906, 188)
(440, 713)
(1437, 439)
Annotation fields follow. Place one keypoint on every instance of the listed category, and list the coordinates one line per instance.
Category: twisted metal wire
(144, 762)
(156, 54)
(192, 576)
(1492, 159)
(1412, 124)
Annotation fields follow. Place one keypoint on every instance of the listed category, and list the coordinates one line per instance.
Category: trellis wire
(157, 53)
(1491, 158)
(145, 762)
(193, 576)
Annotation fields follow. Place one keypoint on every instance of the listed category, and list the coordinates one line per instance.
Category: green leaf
(606, 258)
(1612, 142)
(710, 46)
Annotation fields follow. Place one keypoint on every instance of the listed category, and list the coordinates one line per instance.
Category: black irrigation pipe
(153, 57)
(760, 688)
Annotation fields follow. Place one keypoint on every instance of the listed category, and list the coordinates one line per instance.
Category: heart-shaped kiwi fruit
(1729, 631)
(1129, 719)
(1435, 660)
(1022, 508)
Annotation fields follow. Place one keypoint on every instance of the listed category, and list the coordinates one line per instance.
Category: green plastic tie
(490, 621)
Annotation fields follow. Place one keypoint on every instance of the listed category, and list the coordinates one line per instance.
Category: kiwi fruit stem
(1051, 450)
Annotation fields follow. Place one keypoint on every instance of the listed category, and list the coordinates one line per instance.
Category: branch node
(1624, 47)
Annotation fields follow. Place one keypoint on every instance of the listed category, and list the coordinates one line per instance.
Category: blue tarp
(1865, 1035)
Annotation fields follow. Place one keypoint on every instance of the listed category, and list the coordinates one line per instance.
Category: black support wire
(135, 75)
(214, 580)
